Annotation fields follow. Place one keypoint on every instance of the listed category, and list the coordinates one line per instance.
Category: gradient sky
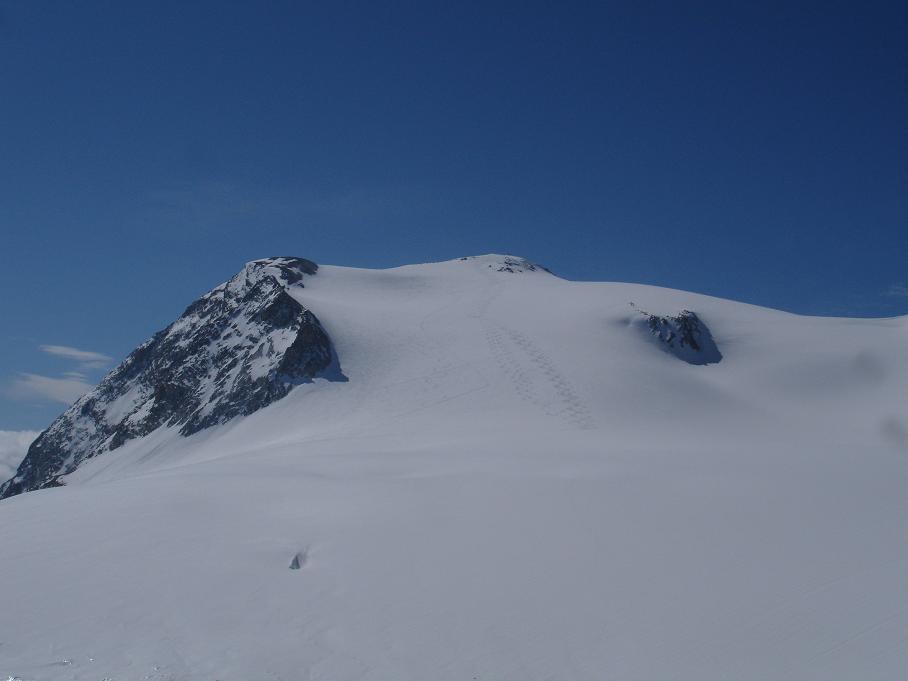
(754, 151)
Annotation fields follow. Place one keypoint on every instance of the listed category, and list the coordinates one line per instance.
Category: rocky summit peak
(511, 264)
(284, 270)
(238, 348)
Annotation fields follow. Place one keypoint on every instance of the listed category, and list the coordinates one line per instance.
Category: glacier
(514, 477)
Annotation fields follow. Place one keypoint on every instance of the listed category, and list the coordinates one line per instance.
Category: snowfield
(517, 483)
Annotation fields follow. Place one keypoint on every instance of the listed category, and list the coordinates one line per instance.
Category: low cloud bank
(13, 446)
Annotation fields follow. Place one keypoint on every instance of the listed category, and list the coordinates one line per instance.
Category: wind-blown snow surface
(516, 483)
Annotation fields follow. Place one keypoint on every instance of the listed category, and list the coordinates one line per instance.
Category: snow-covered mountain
(469, 470)
(233, 351)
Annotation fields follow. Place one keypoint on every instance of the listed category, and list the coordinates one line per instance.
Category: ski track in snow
(448, 377)
(534, 376)
(530, 370)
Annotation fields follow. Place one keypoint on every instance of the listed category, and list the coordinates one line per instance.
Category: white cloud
(89, 359)
(63, 390)
(898, 290)
(67, 388)
(13, 446)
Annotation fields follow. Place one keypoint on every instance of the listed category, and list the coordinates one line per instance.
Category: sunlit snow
(515, 484)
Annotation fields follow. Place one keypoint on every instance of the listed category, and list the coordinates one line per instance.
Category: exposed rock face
(685, 336)
(510, 264)
(235, 350)
(518, 265)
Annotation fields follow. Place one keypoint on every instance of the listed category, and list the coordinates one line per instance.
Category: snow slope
(517, 482)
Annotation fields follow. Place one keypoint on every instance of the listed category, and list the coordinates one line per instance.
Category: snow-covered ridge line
(236, 349)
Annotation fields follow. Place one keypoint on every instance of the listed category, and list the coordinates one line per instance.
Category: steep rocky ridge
(236, 349)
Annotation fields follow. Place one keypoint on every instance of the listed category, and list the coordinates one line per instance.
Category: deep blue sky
(748, 150)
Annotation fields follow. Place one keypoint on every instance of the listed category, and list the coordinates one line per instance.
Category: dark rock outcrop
(508, 263)
(685, 336)
(235, 350)
(513, 265)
